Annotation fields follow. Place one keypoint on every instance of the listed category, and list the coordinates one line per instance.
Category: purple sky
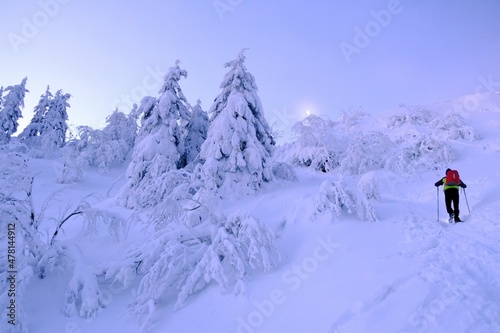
(323, 56)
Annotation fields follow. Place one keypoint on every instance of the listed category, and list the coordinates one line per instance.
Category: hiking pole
(467, 201)
(437, 188)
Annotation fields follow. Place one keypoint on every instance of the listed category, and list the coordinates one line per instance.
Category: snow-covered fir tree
(35, 126)
(159, 143)
(11, 110)
(54, 126)
(239, 141)
(196, 133)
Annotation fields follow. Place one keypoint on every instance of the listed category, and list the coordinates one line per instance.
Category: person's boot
(457, 219)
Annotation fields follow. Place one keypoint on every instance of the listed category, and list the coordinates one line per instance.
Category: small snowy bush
(419, 152)
(365, 153)
(334, 197)
(452, 127)
(368, 185)
(419, 116)
(184, 260)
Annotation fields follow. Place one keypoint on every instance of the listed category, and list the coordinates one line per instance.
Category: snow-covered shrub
(418, 116)
(284, 171)
(70, 169)
(109, 146)
(38, 253)
(311, 148)
(419, 152)
(452, 127)
(367, 152)
(83, 296)
(183, 260)
(351, 118)
(239, 141)
(19, 230)
(335, 197)
(368, 185)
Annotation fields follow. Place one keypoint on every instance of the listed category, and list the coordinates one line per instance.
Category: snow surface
(405, 272)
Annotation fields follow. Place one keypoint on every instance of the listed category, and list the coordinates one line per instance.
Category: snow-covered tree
(159, 143)
(11, 110)
(195, 244)
(196, 133)
(35, 126)
(239, 141)
(54, 126)
(313, 146)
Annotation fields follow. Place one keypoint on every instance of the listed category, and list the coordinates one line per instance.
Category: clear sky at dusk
(322, 56)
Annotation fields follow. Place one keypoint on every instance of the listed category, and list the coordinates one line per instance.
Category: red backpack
(452, 178)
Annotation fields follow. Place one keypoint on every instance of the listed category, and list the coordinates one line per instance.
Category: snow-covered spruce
(195, 133)
(10, 112)
(159, 143)
(239, 141)
(335, 198)
(54, 127)
(34, 128)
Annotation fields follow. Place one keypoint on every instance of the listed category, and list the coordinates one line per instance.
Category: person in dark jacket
(451, 195)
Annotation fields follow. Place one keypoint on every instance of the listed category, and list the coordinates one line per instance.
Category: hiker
(451, 184)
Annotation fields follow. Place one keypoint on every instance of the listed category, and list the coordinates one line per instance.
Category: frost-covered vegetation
(182, 163)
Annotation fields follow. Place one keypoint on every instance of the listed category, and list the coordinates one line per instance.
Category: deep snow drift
(382, 263)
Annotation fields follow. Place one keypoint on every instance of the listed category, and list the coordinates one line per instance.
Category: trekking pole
(467, 201)
(437, 188)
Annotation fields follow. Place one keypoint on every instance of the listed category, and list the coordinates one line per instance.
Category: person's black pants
(451, 197)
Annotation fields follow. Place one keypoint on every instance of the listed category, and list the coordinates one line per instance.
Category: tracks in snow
(461, 265)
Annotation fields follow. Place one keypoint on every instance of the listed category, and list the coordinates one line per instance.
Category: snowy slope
(406, 272)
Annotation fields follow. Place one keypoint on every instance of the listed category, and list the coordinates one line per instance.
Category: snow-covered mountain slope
(408, 271)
